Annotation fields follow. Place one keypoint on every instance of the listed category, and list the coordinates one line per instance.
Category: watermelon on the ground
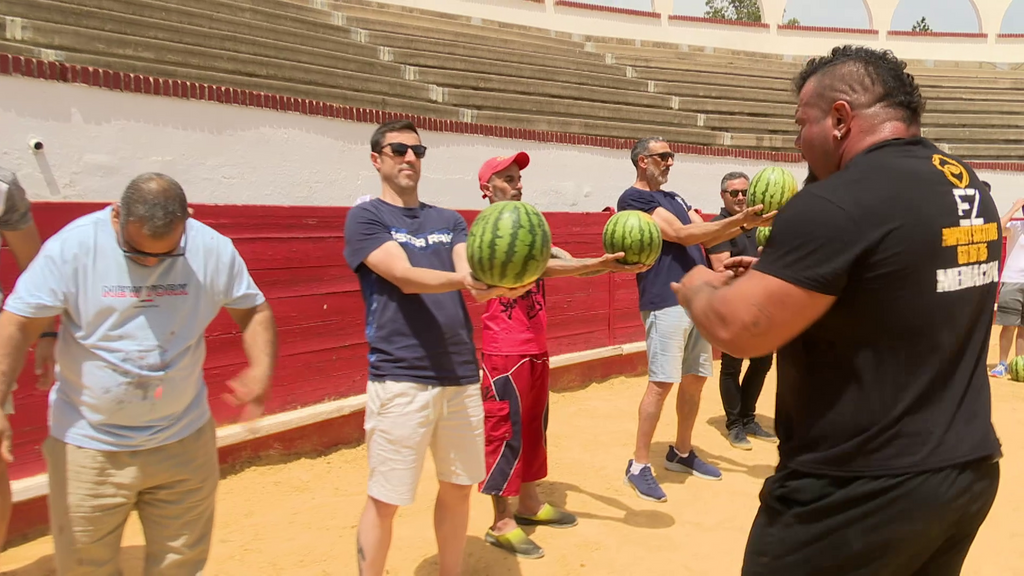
(772, 187)
(509, 244)
(1017, 369)
(763, 232)
(634, 233)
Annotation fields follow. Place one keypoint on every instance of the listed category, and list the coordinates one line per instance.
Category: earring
(839, 137)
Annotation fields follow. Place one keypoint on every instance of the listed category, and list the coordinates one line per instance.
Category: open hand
(482, 292)
(248, 390)
(611, 263)
(750, 219)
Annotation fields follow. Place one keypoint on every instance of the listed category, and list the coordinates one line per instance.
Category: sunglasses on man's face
(400, 150)
(663, 156)
(735, 193)
(130, 250)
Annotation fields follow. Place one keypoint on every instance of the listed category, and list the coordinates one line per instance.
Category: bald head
(868, 80)
(155, 202)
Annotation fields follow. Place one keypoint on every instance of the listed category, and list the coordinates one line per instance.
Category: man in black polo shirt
(739, 399)
(876, 287)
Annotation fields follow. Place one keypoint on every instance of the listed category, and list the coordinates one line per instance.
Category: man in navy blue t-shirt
(676, 352)
(424, 382)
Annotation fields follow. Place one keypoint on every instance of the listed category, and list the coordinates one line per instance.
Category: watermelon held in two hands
(509, 244)
(635, 234)
(1017, 369)
(772, 187)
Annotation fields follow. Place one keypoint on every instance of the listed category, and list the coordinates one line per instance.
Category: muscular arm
(24, 244)
(698, 231)
(563, 264)
(17, 333)
(752, 315)
(391, 262)
(259, 336)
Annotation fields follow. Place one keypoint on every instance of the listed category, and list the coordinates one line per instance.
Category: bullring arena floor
(298, 516)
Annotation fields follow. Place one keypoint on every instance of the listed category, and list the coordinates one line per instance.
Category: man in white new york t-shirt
(135, 285)
(1010, 307)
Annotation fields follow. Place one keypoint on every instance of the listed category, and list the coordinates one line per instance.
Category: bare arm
(17, 333)
(1005, 220)
(259, 336)
(391, 262)
(706, 233)
(718, 261)
(749, 316)
(24, 244)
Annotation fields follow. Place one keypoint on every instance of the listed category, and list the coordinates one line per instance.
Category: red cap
(495, 165)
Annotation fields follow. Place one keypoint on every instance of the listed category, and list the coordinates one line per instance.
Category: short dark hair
(641, 147)
(377, 140)
(865, 78)
(733, 176)
(156, 201)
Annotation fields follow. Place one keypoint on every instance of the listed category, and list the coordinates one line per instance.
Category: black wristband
(48, 335)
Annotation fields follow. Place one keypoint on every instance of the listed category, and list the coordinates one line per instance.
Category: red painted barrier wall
(295, 255)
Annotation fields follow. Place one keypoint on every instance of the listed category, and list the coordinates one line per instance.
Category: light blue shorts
(674, 346)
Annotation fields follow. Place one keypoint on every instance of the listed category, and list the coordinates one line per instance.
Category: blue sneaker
(691, 464)
(644, 484)
(1000, 371)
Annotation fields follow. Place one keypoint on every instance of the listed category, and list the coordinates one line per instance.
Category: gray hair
(157, 202)
(641, 147)
(733, 176)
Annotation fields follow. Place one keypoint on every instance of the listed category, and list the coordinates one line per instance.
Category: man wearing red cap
(515, 383)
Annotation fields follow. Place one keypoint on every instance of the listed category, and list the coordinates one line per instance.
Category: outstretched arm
(707, 233)
(563, 264)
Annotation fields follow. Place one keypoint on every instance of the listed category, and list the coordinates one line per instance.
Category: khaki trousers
(173, 487)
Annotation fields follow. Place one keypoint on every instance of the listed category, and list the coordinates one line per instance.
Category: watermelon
(1017, 369)
(634, 233)
(772, 187)
(763, 232)
(509, 244)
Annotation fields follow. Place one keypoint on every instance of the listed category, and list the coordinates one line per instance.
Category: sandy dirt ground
(297, 516)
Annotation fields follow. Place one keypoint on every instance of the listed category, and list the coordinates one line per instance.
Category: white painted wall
(97, 140)
(697, 34)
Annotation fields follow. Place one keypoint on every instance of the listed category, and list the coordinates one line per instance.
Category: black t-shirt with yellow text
(892, 379)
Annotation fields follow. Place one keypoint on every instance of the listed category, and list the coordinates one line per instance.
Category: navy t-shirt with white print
(676, 260)
(421, 338)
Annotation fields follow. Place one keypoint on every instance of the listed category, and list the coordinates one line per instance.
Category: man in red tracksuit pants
(515, 383)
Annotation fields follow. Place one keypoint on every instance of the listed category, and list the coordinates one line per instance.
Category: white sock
(636, 468)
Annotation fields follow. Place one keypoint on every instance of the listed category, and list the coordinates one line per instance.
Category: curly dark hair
(865, 78)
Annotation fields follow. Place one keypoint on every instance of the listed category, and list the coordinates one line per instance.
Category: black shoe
(755, 430)
(738, 439)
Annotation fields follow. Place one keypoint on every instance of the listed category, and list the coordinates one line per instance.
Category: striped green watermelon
(1017, 369)
(772, 187)
(509, 244)
(634, 233)
(763, 232)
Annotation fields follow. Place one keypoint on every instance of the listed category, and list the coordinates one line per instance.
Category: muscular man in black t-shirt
(876, 287)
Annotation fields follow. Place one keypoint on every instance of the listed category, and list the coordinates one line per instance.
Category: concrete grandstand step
(563, 108)
(724, 61)
(968, 94)
(335, 96)
(975, 135)
(735, 107)
(733, 93)
(719, 78)
(65, 38)
(987, 151)
(967, 108)
(932, 119)
(643, 63)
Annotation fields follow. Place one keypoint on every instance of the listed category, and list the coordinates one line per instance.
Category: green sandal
(516, 542)
(548, 516)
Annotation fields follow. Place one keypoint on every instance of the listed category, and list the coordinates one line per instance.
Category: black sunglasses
(735, 193)
(400, 150)
(663, 156)
(128, 251)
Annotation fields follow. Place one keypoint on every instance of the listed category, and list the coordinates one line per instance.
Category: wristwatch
(48, 335)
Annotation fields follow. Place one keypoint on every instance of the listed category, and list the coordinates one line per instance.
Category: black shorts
(915, 524)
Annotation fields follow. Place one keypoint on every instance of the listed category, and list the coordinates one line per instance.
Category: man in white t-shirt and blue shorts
(1010, 305)
(136, 285)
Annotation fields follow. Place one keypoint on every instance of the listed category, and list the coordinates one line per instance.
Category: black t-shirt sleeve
(814, 244)
(638, 200)
(365, 231)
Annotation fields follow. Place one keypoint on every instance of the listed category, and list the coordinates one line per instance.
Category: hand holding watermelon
(482, 292)
(751, 217)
